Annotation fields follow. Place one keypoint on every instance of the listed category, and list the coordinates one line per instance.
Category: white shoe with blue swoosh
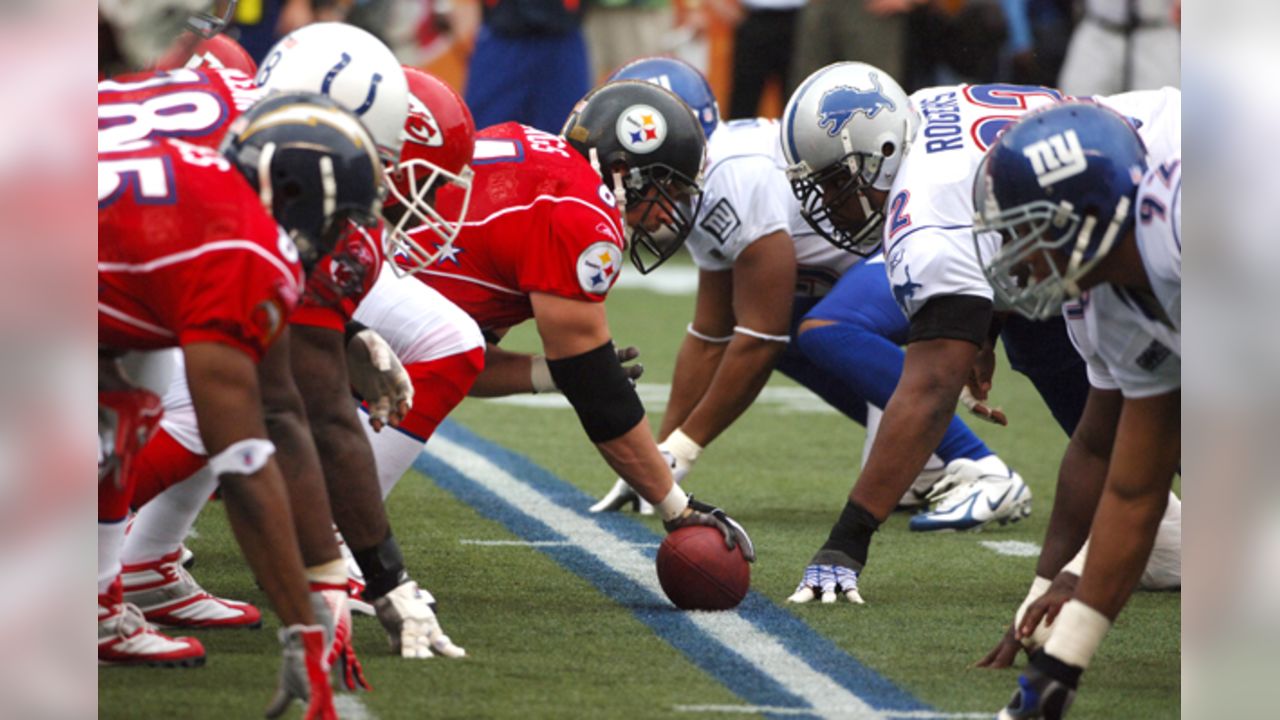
(974, 494)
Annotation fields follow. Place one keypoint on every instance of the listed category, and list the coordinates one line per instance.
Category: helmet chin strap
(1077, 266)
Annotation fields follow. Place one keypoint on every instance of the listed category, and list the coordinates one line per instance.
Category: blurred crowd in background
(530, 60)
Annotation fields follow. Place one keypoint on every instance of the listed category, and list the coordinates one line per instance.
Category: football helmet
(439, 140)
(680, 78)
(349, 65)
(646, 141)
(144, 29)
(313, 164)
(1059, 188)
(218, 51)
(845, 131)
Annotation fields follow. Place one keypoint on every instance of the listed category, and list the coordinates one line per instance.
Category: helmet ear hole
(888, 149)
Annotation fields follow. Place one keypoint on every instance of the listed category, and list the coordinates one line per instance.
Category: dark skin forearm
(743, 371)
(505, 373)
(320, 370)
(914, 421)
(696, 364)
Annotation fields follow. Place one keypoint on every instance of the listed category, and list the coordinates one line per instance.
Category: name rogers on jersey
(942, 122)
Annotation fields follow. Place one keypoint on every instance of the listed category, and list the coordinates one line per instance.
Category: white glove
(412, 628)
(681, 452)
(379, 378)
(827, 579)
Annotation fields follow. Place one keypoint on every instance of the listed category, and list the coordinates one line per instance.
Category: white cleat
(975, 494)
(621, 496)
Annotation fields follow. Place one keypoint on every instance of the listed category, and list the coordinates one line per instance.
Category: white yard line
(349, 707)
(1012, 548)
(777, 710)
(537, 543)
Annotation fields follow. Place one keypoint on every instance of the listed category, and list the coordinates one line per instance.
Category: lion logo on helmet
(839, 104)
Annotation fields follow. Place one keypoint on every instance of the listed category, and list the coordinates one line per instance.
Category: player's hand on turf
(1046, 608)
(1003, 654)
(378, 376)
(978, 387)
(412, 627)
(304, 674)
(700, 513)
(635, 369)
(825, 580)
(341, 657)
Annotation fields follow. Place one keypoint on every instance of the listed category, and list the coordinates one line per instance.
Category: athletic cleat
(169, 597)
(917, 496)
(1038, 696)
(973, 495)
(621, 496)
(125, 638)
(186, 559)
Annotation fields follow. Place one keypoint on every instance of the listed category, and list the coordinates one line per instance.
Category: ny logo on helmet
(1057, 157)
(839, 104)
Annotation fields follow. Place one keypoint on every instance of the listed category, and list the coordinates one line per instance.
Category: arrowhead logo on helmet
(421, 126)
(839, 104)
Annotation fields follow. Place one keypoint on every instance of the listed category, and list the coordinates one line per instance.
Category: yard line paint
(534, 543)
(349, 707)
(793, 712)
(1012, 548)
(759, 651)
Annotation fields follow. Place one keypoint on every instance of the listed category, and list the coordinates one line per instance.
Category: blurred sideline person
(864, 155)
(761, 269)
(544, 239)
(1123, 45)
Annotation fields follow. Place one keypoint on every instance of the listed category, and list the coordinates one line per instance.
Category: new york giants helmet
(1059, 187)
(440, 138)
(680, 78)
(349, 65)
(646, 143)
(313, 165)
(845, 130)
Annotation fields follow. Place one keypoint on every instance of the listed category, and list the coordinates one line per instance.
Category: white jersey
(928, 227)
(746, 196)
(1132, 342)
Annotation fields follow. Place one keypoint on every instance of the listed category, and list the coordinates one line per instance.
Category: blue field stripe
(730, 669)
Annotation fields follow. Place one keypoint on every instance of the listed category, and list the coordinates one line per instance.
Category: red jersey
(540, 220)
(198, 106)
(186, 253)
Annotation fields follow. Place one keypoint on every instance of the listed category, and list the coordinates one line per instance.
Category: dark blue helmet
(313, 165)
(680, 78)
(1061, 182)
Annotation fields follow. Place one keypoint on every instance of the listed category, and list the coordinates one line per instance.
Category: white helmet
(349, 65)
(145, 29)
(847, 128)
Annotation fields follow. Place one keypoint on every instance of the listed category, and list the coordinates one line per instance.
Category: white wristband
(742, 329)
(707, 338)
(681, 446)
(673, 504)
(1078, 631)
(1041, 634)
(1076, 566)
(244, 457)
(540, 375)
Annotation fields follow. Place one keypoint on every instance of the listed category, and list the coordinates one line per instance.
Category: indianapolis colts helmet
(349, 65)
(313, 165)
(440, 139)
(845, 131)
(1062, 182)
(644, 140)
(680, 78)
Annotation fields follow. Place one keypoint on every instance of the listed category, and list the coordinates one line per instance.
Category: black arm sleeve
(954, 317)
(597, 388)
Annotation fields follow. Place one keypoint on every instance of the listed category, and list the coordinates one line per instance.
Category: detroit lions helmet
(1059, 187)
(313, 165)
(845, 131)
(680, 78)
(647, 145)
(440, 139)
(349, 65)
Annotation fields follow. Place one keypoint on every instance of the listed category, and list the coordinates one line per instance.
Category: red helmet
(218, 51)
(439, 139)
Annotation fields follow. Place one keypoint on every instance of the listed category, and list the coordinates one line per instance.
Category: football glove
(700, 513)
(378, 376)
(303, 674)
(828, 572)
(412, 628)
(341, 658)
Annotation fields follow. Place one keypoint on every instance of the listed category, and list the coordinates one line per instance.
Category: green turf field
(544, 642)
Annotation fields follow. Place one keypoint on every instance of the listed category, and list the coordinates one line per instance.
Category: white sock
(1077, 633)
(394, 453)
(110, 540)
(163, 523)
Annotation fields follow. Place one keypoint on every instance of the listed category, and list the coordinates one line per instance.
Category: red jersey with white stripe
(540, 220)
(198, 106)
(186, 253)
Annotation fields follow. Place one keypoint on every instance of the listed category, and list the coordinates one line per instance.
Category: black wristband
(851, 536)
(383, 567)
(1068, 675)
(597, 387)
(353, 327)
(953, 317)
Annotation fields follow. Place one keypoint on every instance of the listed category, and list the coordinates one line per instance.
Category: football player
(201, 251)
(761, 269)
(549, 220)
(1082, 217)
(868, 162)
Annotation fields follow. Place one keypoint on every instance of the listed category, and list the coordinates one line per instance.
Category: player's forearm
(505, 373)
(1080, 480)
(742, 373)
(635, 457)
(696, 364)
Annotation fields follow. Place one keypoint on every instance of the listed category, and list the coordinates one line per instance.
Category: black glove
(700, 513)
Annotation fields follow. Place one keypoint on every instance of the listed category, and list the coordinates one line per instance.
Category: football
(697, 571)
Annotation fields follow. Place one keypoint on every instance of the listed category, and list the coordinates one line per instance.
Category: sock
(871, 365)
(110, 540)
(395, 452)
(162, 524)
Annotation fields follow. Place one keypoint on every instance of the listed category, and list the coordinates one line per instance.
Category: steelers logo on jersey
(598, 267)
(641, 129)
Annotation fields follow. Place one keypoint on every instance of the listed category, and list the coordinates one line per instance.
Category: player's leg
(1042, 351)
(1094, 64)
